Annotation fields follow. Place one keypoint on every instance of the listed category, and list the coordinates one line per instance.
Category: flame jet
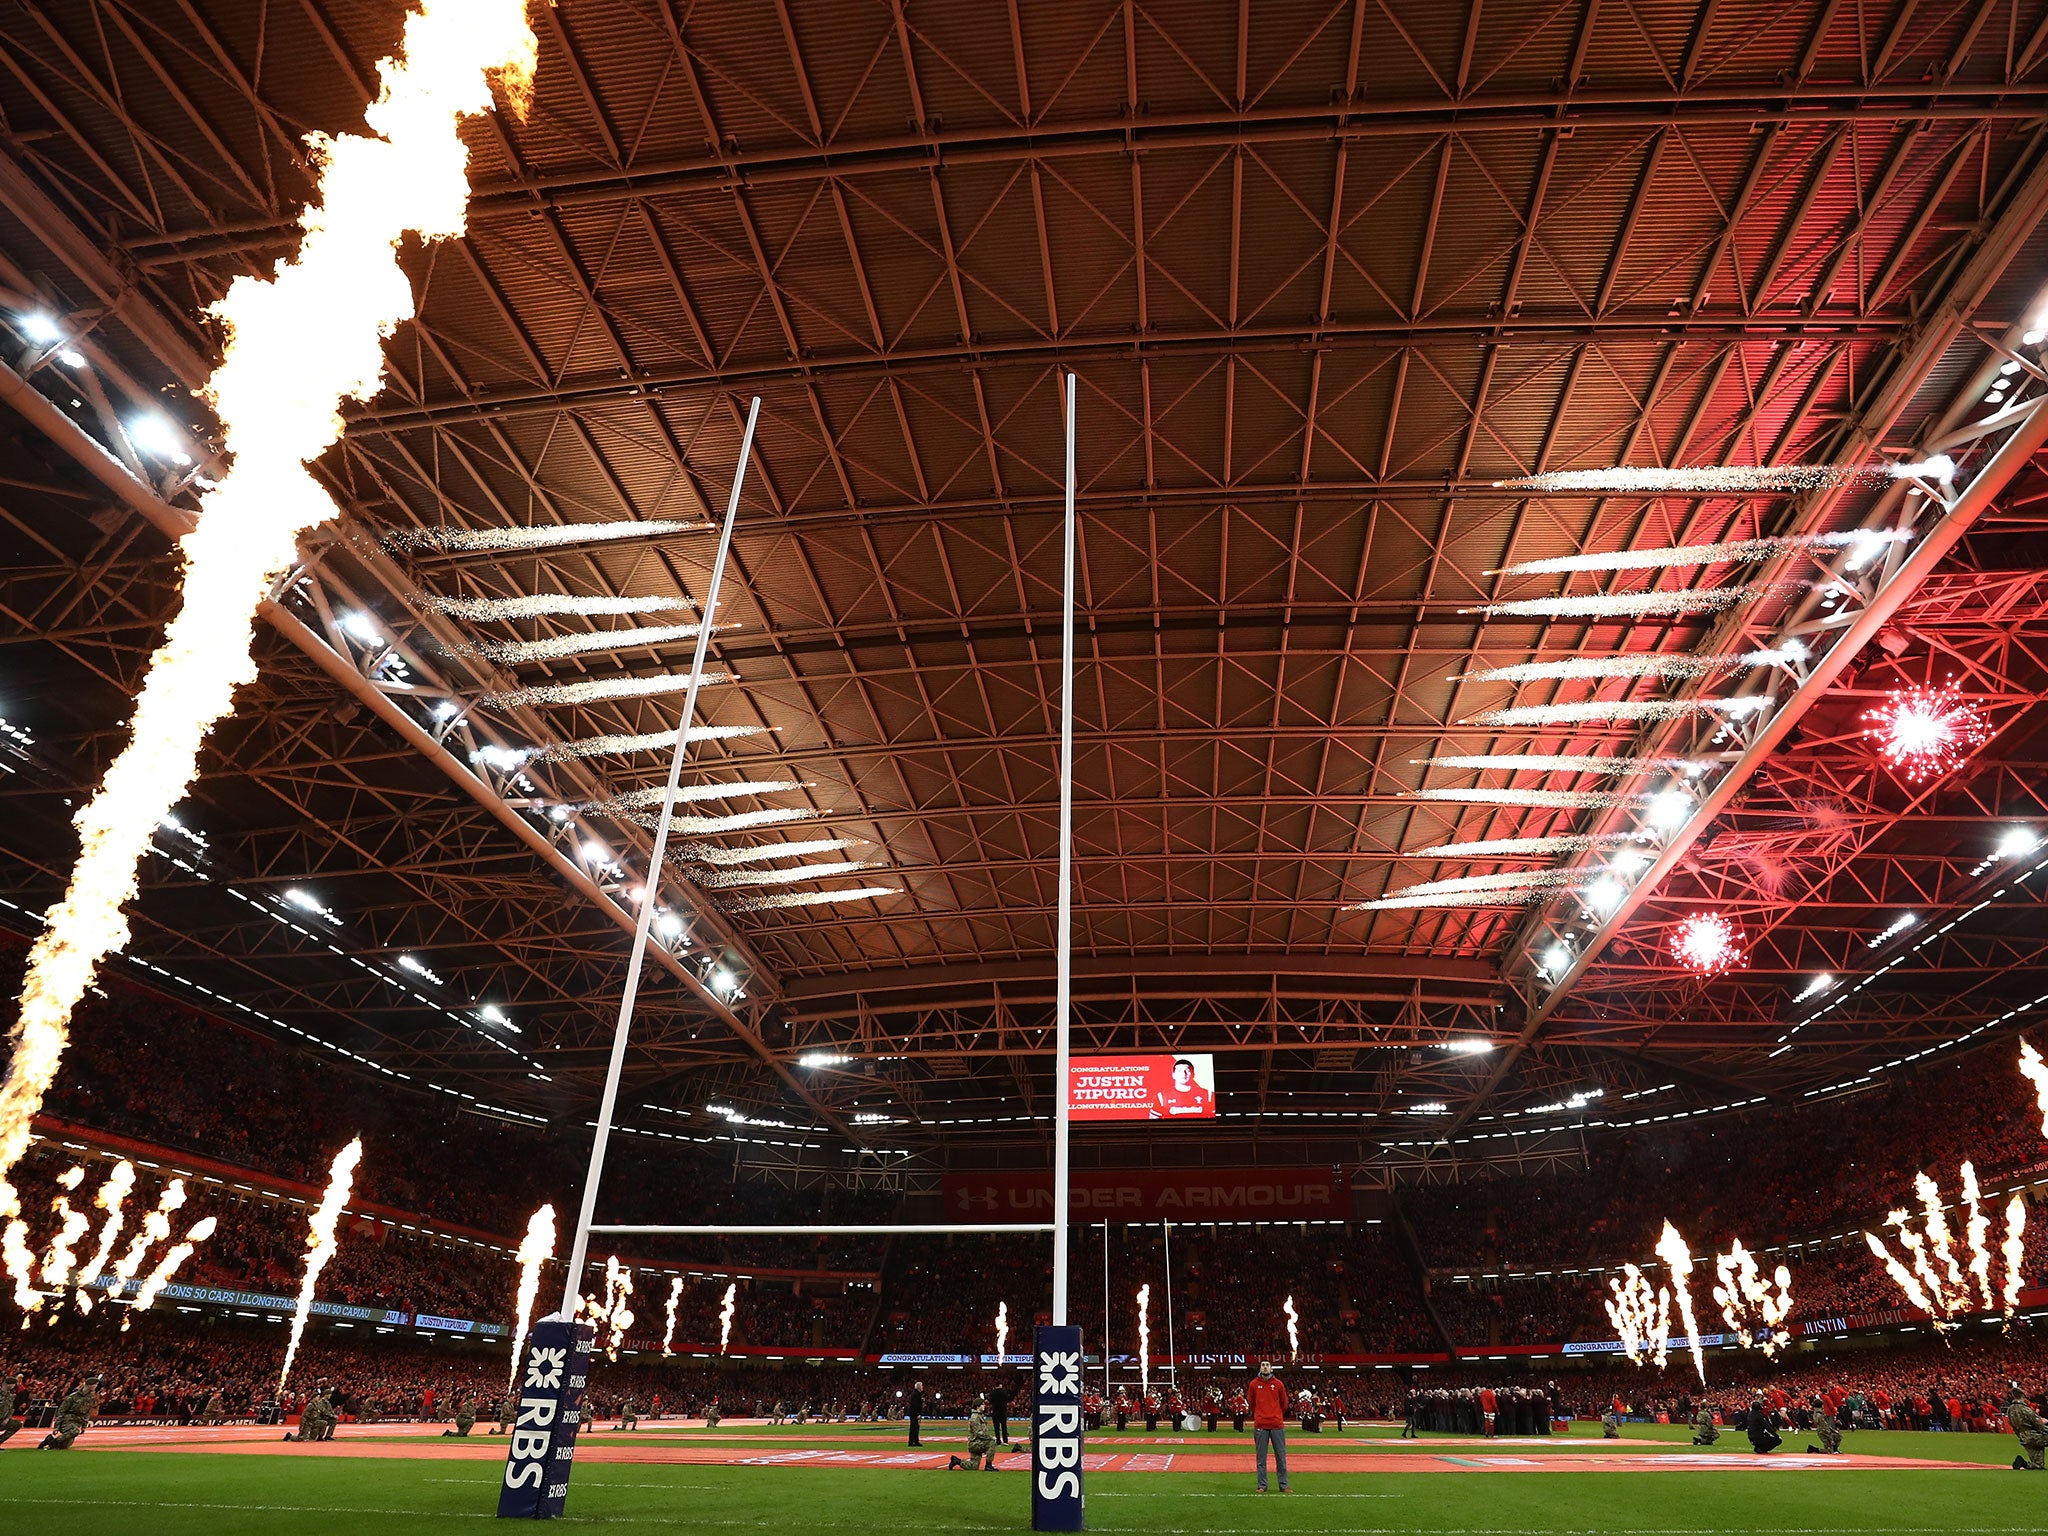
(299, 343)
(535, 1249)
(321, 1241)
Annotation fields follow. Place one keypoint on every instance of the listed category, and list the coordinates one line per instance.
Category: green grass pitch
(121, 1493)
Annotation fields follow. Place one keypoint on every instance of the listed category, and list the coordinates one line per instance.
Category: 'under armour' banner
(551, 1384)
(1057, 1503)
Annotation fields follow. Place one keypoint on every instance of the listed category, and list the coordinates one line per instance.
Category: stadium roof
(1325, 273)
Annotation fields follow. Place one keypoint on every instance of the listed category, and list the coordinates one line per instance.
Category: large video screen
(1141, 1088)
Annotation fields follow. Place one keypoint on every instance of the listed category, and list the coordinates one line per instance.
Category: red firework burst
(1707, 944)
(1922, 733)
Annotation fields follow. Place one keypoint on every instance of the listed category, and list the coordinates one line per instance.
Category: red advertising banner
(1142, 1088)
(1149, 1194)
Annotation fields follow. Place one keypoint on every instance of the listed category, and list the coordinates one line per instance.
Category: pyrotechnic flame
(668, 1332)
(16, 1255)
(1739, 551)
(755, 853)
(168, 1266)
(1753, 1312)
(1726, 479)
(2014, 1249)
(725, 1316)
(1002, 1331)
(1144, 1338)
(554, 647)
(616, 1316)
(467, 540)
(1641, 664)
(1672, 1250)
(603, 688)
(321, 1242)
(297, 346)
(640, 799)
(1624, 710)
(622, 746)
(811, 898)
(156, 1226)
(1293, 1333)
(58, 1259)
(1527, 847)
(1641, 1317)
(1922, 733)
(1977, 1229)
(720, 880)
(500, 610)
(2035, 1071)
(113, 1196)
(1656, 602)
(1546, 799)
(535, 1249)
(1567, 762)
(1901, 1276)
(1943, 1246)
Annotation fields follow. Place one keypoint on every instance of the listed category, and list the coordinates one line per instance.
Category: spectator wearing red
(1269, 1422)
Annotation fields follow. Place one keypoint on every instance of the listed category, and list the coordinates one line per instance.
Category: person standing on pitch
(916, 1412)
(999, 1410)
(1269, 1422)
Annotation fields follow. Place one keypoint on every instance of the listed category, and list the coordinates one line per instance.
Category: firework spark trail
(501, 610)
(1144, 1339)
(1672, 1250)
(739, 821)
(1547, 799)
(2035, 1071)
(1499, 880)
(470, 540)
(168, 1266)
(1641, 1317)
(732, 879)
(811, 898)
(668, 1332)
(640, 799)
(156, 1226)
(1526, 847)
(1657, 602)
(59, 1260)
(535, 1249)
(321, 1242)
(1504, 896)
(1002, 1332)
(1293, 1333)
(1975, 1231)
(555, 647)
(1566, 762)
(755, 853)
(603, 688)
(298, 344)
(112, 1198)
(1627, 711)
(1641, 664)
(725, 1312)
(622, 746)
(1739, 551)
(1724, 479)
(2014, 1249)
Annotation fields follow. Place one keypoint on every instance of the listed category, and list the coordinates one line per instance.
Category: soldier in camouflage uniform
(216, 1411)
(711, 1415)
(317, 1419)
(2031, 1429)
(629, 1414)
(508, 1409)
(981, 1441)
(1825, 1426)
(465, 1417)
(10, 1403)
(73, 1414)
(1704, 1430)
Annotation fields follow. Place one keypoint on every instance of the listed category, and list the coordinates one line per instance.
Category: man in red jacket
(1269, 1422)
(1489, 1405)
